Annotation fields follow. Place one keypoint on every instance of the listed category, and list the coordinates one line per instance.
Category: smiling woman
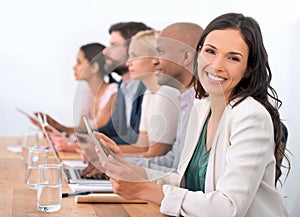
(225, 64)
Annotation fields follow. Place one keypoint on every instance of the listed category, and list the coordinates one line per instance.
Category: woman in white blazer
(233, 152)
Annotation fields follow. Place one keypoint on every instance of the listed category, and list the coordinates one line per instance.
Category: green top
(196, 171)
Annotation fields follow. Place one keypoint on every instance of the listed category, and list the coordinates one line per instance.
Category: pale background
(39, 41)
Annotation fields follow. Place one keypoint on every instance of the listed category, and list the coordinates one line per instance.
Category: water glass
(49, 187)
(36, 156)
(29, 140)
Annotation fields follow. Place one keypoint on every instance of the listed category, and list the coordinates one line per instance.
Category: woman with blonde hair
(160, 107)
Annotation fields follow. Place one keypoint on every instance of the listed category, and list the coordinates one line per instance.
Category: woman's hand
(128, 190)
(119, 168)
(35, 122)
(54, 123)
(62, 143)
(147, 191)
(128, 180)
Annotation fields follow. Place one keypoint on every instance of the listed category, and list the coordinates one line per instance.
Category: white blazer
(241, 168)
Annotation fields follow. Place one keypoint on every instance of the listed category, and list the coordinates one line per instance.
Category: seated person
(123, 127)
(160, 107)
(98, 99)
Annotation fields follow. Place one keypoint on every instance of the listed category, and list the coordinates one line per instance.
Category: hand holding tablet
(104, 152)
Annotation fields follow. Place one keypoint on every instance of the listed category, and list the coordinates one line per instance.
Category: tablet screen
(46, 134)
(103, 150)
(31, 117)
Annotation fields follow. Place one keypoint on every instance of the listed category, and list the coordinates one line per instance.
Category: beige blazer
(241, 168)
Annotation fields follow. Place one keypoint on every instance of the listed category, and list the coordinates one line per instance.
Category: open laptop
(72, 174)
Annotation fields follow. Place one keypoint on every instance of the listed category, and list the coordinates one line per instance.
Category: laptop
(72, 174)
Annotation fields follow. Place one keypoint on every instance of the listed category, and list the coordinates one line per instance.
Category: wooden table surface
(17, 200)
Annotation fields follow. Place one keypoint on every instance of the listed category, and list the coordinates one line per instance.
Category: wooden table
(17, 200)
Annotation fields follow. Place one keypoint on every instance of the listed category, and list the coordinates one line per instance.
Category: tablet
(46, 127)
(43, 128)
(31, 117)
(104, 152)
(43, 122)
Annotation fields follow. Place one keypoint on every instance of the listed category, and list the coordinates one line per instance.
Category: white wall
(39, 41)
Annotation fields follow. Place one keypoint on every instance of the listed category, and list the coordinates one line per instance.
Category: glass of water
(49, 187)
(31, 139)
(36, 156)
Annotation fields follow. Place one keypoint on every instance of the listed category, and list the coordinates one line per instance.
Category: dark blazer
(117, 128)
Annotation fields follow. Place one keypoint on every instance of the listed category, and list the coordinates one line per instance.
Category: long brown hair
(258, 77)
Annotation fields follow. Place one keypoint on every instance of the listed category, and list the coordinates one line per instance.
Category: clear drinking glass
(49, 187)
(31, 139)
(36, 156)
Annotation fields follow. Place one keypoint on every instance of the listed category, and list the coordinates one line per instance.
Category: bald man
(174, 67)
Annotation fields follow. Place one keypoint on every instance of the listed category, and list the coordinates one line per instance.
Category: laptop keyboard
(78, 171)
(97, 176)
